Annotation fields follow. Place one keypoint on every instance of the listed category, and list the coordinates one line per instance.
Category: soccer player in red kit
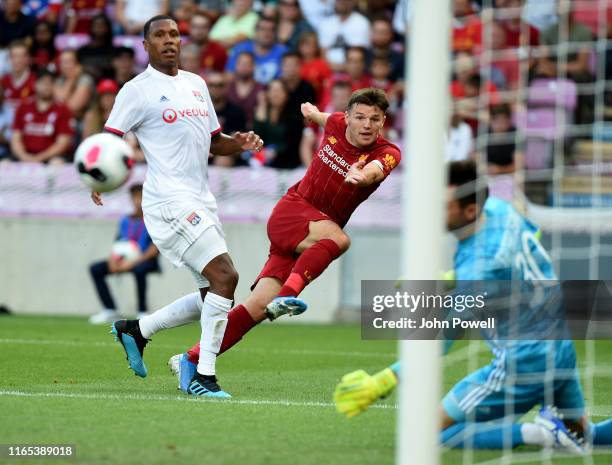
(305, 227)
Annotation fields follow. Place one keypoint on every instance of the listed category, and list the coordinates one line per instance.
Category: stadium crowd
(63, 61)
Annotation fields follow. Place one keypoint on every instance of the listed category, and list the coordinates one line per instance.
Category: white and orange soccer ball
(125, 250)
(104, 162)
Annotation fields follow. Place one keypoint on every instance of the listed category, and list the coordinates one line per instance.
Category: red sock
(311, 263)
(239, 322)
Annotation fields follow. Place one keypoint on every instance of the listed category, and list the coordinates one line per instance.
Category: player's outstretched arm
(225, 145)
(362, 175)
(312, 114)
(358, 390)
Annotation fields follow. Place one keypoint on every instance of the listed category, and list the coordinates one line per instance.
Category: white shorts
(209, 245)
(175, 227)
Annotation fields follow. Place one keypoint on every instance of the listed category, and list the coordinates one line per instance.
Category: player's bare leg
(325, 242)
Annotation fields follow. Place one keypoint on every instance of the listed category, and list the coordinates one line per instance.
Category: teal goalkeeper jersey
(506, 248)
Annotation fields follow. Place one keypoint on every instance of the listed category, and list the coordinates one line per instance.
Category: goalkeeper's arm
(358, 390)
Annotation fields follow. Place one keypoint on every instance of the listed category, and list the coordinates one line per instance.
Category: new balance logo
(164, 99)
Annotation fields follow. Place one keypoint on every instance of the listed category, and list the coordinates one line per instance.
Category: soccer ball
(125, 251)
(104, 162)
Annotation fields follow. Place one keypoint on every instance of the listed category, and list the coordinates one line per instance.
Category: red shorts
(287, 227)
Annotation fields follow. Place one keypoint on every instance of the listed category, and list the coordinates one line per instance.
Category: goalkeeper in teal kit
(495, 243)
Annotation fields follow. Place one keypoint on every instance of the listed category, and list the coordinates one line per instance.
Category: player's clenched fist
(308, 110)
(248, 141)
(358, 390)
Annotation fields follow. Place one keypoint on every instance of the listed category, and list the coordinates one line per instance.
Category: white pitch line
(174, 347)
(158, 398)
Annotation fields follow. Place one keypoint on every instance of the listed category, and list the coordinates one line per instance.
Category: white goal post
(423, 206)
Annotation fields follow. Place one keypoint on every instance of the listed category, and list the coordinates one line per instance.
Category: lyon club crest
(198, 95)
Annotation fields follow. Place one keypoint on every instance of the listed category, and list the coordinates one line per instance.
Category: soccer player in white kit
(172, 116)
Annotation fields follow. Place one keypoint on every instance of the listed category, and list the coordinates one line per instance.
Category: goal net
(531, 86)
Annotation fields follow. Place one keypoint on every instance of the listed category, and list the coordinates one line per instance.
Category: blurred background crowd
(522, 69)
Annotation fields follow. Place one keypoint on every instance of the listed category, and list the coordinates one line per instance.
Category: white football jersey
(173, 119)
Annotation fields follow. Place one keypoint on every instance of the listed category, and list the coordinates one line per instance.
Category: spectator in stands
(123, 65)
(243, 89)
(505, 70)
(340, 95)
(211, 8)
(14, 24)
(576, 64)
(267, 52)
(74, 87)
(517, 32)
(231, 117)
(80, 13)
(460, 140)
(213, 55)
(237, 25)
(315, 69)
(182, 13)
(190, 58)
(356, 73)
(345, 28)
(316, 11)
(131, 228)
(380, 70)
(132, 14)
(467, 28)
(99, 111)
(311, 136)
(502, 155)
(42, 129)
(96, 57)
(300, 91)
(6, 120)
(279, 126)
(382, 44)
(47, 10)
(19, 84)
(43, 49)
(291, 24)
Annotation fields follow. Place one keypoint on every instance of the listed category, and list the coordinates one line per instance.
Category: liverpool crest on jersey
(198, 95)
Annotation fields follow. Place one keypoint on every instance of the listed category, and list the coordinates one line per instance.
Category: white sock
(180, 312)
(213, 321)
(536, 435)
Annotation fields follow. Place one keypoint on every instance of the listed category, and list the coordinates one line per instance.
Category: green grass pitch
(64, 381)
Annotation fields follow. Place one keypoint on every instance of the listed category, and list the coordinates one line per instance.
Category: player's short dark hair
(135, 189)
(472, 189)
(371, 97)
(147, 25)
(123, 50)
(43, 73)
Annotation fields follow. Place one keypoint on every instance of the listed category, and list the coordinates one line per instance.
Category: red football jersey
(16, 93)
(323, 184)
(85, 10)
(40, 129)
